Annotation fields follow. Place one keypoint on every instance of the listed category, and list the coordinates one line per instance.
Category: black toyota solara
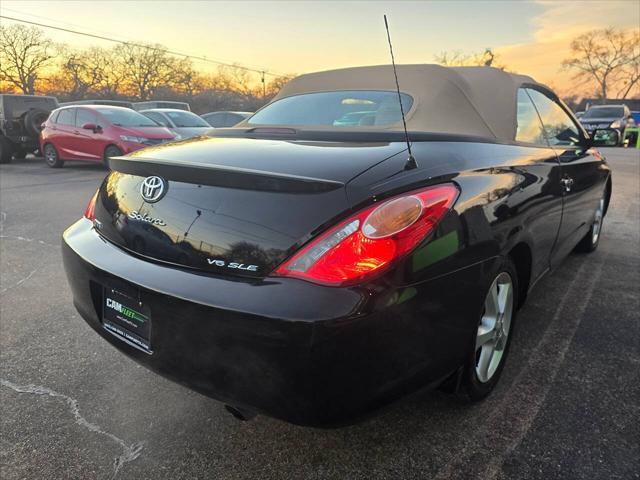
(313, 263)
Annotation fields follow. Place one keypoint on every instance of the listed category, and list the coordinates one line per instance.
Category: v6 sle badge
(233, 265)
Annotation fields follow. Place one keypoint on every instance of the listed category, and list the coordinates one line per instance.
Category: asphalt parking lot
(568, 405)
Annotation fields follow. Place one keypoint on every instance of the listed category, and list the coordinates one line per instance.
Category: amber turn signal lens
(392, 217)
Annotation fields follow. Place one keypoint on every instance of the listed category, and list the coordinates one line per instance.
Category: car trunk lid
(235, 207)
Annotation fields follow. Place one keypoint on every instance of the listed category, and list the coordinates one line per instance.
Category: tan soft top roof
(477, 101)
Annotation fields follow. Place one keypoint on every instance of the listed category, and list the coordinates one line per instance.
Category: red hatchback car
(96, 132)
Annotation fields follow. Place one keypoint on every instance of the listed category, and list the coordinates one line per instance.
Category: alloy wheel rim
(50, 155)
(494, 327)
(597, 222)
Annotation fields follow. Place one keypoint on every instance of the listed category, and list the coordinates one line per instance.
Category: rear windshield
(186, 119)
(605, 112)
(348, 108)
(126, 118)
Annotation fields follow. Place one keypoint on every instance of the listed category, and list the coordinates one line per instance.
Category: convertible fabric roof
(479, 101)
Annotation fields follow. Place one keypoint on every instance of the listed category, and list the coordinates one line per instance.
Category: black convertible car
(303, 266)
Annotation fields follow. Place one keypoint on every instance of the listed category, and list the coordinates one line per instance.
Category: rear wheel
(51, 156)
(490, 346)
(19, 154)
(591, 240)
(111, 151)
(6, 150)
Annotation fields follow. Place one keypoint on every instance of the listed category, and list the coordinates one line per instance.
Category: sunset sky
(298, 37)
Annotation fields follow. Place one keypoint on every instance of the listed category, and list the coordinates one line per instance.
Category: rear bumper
(24, 141)
(290, 349)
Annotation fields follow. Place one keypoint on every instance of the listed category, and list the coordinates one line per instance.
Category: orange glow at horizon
(531, 37)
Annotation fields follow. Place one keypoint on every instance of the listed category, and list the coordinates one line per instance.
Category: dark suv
(607, 122)
(21, 117)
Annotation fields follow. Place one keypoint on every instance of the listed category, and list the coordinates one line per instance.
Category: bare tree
(458, 58)
(80, 74)
(606, 58)
(276, 84)
(125, 71)
(113, 76)
(146, 68)
(185, 79)
(24, 55)
(233, 78)
(86, 73)
(629, 78)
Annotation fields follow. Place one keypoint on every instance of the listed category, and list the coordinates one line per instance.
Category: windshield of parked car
(348, 108)
(604, 112)
(186, 119)
(126, 118)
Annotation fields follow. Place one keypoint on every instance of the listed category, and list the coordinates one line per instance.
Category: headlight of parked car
(129, 138)
(615, 124)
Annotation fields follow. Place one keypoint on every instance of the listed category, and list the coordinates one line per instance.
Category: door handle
(567, 183)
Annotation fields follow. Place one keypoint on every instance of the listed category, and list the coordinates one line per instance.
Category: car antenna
(411, 161)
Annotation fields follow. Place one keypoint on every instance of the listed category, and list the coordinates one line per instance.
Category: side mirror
(605, 138)
(92, 126)
(586, 141)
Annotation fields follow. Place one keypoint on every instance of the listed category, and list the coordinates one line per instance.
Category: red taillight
(89, 212)
(371, 240)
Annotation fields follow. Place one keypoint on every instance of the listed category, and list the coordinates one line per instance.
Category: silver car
(225, 119)
(182, 123)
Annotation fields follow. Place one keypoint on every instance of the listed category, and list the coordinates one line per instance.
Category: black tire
(476, 386)
(111, 151)
(6, 150)
(34, 119)
(51, 156)
(591, 240)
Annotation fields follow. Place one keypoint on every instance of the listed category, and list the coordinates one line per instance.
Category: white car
(182, 123)
(225, 119)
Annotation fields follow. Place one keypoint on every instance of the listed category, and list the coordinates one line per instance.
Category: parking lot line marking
(503, 431)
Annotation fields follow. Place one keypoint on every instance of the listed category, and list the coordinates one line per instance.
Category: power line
(140, 45)
(123, 38)
(65, 24)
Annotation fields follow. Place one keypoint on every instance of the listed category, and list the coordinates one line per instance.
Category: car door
(539, 197)
(64, 139)
(89, 143)
(583, 178)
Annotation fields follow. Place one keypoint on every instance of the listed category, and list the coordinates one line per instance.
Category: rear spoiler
(221, 176)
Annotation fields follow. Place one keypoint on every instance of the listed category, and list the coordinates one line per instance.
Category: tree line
(605, 64)
(31, 63)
